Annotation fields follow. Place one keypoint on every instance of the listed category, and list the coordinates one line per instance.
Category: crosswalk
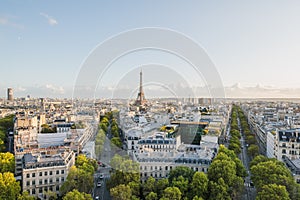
(248, 185)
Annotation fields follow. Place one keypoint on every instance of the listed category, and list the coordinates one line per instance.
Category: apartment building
(45, 172)
(287, 144)
(157, 155)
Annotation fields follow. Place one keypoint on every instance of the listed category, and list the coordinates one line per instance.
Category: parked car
(99, 184)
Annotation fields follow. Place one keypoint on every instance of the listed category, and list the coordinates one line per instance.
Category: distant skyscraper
(10, 94)
(141, 100)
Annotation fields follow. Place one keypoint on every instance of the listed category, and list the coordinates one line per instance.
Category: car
(101, 176)
(97, 197)
(99, 184)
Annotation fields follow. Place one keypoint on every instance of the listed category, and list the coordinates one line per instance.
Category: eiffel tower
(140, 100)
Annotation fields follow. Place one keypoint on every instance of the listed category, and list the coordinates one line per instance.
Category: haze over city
(254, 45)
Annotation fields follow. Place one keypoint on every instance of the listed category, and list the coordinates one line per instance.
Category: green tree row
(111, 119)
(6, 124)
(253, 149)
(273, 180)
(235, 136)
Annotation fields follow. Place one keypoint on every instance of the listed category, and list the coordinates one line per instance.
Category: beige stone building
(47, 172)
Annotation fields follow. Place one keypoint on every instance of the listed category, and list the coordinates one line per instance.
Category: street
(250, 191)
(101, 192)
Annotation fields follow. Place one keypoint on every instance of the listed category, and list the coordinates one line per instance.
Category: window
(57, 188)
(33, 191)
(62, 171)
(40, 181)
(28, 183)
(50, 173)
(41, 173)
(33, 174)
(40, 190)
(46, 173)
(46, 181)
(283, 151)
(57, 179)
(283, 144)
(57, 171)
(50, 180)
(27, 175)
(62, 179)
(33, 182)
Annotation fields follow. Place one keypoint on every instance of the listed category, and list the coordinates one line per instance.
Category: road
(101, 192)
(104, 158)
(250, 191)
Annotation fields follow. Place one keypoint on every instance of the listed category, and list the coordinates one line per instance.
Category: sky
(43, 44)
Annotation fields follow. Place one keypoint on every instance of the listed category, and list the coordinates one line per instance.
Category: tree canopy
(9, 187)
(7, 162)
(75, 194)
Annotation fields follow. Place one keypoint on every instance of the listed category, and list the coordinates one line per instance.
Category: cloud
(50, 19)
(7, 21)
(20, 89)
(55, 89)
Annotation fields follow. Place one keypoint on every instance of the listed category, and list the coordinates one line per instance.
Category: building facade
(43, 173)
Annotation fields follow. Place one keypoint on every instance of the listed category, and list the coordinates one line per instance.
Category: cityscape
(102, 107)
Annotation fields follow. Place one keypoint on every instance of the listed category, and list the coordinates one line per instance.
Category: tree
(151, 196)
(7, 162)
(126, 171)
(80, 179)
(271, 172)
(199, 185)
(75, 194)
(258, 159)
(26, 196)
(240, 169)
(135, 188)
(161, 184)
(83, 162)
(250, 139)
(116, 141)
(172, 193)
(235, 146)
(47, 129)
(197, 198)
(6, 124)
(222, 168)
(149, 186)
(121, 192)
(274, 192)
(9, 187)
(183, 171)
(181, 183)
(218, 190)
(235, 133)
(253, 150)
(50, 195)
(115, 130)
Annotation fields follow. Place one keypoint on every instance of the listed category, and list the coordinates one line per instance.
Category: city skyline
(252, 44)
